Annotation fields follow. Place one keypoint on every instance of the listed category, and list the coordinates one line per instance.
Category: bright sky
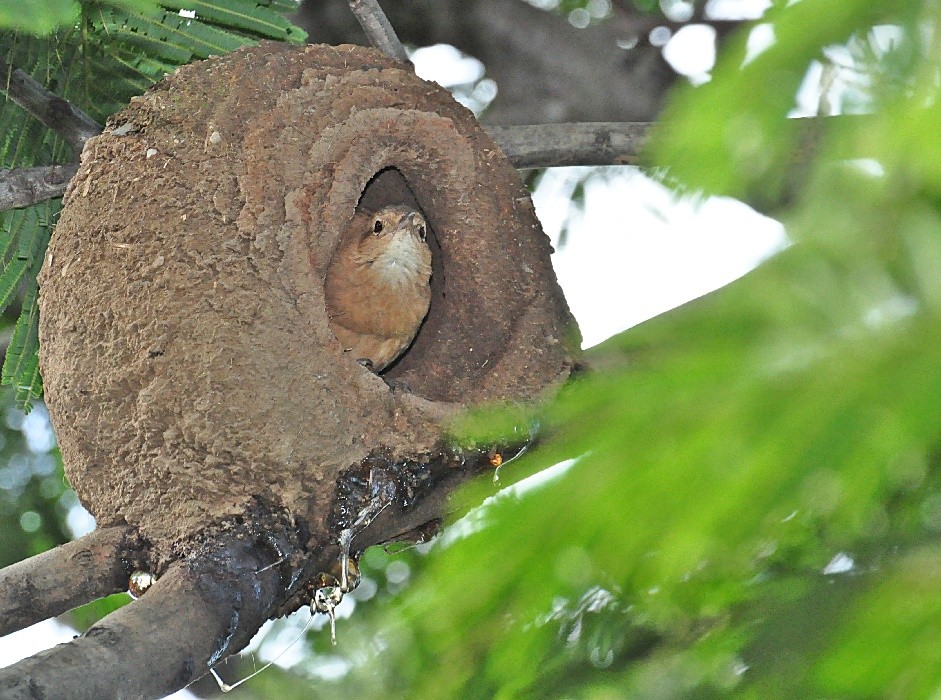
(634, 251)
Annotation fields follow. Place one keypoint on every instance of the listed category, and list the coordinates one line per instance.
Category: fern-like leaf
(168, 35)
(21, 364)
(247, 15)
(10, 279)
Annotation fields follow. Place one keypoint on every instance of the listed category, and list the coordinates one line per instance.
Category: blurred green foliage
(34, 497)
(754, 498)
(38, 509)
(38, 16)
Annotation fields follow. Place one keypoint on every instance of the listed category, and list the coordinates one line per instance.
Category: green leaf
(741, 143)
(248, 15)
(744, 498)
(10, 279)
(86, 615)
(168, 35)
(21, 364)
(900, 616)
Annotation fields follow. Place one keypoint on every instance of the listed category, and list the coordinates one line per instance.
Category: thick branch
(378, 28)
(588, 143)
(527, 146)
(199, 612)
(23, 187)
(56, 581)
(61, 116)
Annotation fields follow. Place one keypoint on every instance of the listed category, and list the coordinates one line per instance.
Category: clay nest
(189, 365)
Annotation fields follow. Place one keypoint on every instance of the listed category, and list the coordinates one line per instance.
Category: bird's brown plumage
(377, 287)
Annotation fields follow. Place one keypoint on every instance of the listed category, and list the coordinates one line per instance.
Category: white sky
(635, 251)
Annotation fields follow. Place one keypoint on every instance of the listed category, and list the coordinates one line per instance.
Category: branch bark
(58, 114)
(549, 145)
(202, 610)
(53, 582)
(527, 146)
(23, 187)
(378, 28)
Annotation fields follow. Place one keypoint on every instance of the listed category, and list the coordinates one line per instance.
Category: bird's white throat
(404, 260)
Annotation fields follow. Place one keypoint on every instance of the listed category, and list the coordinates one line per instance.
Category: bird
(378, 285)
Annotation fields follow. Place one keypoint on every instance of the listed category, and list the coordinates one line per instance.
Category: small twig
(585, 143)
(378, 29)
(22, 187)
(58, 114)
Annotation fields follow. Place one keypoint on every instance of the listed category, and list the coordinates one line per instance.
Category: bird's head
(397, 220)
(394, 245)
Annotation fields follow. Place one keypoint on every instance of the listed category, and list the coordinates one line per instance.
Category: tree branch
(23, 187)
(53, 582)
(526, 145)
(58, 114)
(200, 611)
(586, 143)
(378, 28)
(612, 143)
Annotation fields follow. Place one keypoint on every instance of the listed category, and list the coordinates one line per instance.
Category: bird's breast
(403, 262)
(380, 287)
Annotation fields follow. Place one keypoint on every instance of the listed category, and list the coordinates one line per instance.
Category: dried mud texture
(188, 362)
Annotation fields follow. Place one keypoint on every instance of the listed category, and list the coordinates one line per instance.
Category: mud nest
(188, 361)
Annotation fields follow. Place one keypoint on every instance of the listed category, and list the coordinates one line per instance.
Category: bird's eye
(421, 231)
(377, 227)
